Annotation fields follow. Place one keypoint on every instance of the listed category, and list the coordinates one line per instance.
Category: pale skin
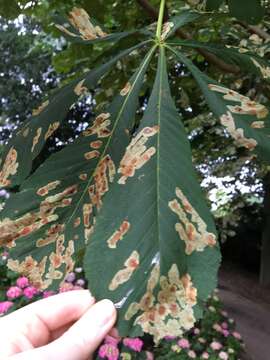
(67, 326)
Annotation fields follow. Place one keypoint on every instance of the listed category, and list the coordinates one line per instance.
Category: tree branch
(255, 30)
(211, 58)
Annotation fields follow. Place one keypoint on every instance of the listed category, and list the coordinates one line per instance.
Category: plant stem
(160, 19)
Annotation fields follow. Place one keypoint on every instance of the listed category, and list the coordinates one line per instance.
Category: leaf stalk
(160, 20)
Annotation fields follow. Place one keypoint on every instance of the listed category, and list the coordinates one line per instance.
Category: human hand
(67, 326)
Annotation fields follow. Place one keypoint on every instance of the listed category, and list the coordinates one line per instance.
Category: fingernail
(105, 311)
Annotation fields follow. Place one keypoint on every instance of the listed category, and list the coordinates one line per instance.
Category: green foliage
(125, 192)
(250, 11)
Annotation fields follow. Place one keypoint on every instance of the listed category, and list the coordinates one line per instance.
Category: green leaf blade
(139, 242)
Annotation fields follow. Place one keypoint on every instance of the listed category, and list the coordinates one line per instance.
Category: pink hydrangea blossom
(184, 343)
(135, 344)
(4, 306)
(223, 355)
(205, 355)
(192, 354)
(111, 340)
(30, 291)
(225, 333)
(22, 282)
(224, 313)
(196, 331)
(14, 292)
(108, 351)
(47, 293)
(237, 335)
(80, 282)
(215, 345)
(70, 277)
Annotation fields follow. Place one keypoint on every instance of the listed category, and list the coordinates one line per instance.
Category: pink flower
(196, 331)
(14, 292)
(223, 355)
(224, 325)
(225, 333)
(169, 338)
(22, 282)
(205, 355)
(192, 354)
(4, 306)
(184, 343)
(80, 282)
(111, 340)
(237, 335)
(224, 313)
(30, 291)
(217, 327)
(135, 344)
(149, 355)
(215, 345)
(70, 277)
(47, 293)
(108, 351)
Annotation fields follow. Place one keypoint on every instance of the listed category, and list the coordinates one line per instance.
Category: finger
(34, 323)
(81, 340)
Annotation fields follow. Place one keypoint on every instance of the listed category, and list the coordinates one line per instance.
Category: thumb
(80, 341)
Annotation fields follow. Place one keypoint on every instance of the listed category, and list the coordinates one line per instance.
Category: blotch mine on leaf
(118, 234)
(30, 268)
(92, 154)
(9, 167)
(36, 138)
(96, 144)
(52, 234)
(37, 111)
(80, 89)
(100, 126)
(12, 230)
(105, 170)
(246, 107)
(52, 128)
(77, 222)
(25, 132)
(191, 228)
(83, 176)
(50, 186)
(126, 89)
(81, 21)
(137, 154)
(257, 124)
(265, 70)
(227, 120)
(124, 275)
(168, 311)
(87, 212)
(167, 26)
